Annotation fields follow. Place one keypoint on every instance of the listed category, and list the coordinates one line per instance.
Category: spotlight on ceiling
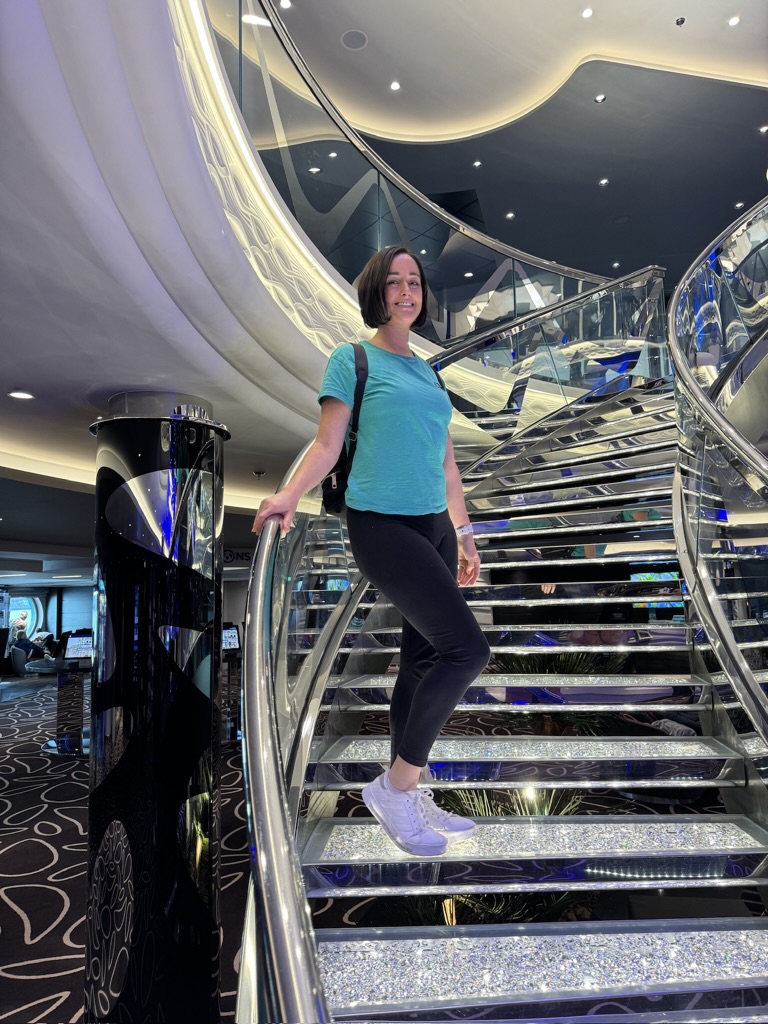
(478, 163)
(285, 4)
(23, 395)
(600, 98)
(510, 215)
(738, 206)
(394, 86)
(734, 20)
(616, 265)
(603, 182)
(763, 129)
(469, 274)
(587, 12)
(314, 170)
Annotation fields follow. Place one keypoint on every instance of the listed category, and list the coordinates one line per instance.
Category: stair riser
(569, 774)
(527, 875)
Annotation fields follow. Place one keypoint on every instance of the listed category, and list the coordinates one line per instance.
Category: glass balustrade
(594, 344)
(350, 204)
(718, 317)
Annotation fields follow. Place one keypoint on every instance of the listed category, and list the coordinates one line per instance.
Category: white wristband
(462, 530)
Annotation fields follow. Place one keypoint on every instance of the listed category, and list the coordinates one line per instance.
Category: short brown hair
(373, 280)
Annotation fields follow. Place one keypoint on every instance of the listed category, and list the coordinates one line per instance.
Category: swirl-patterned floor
(43, 834)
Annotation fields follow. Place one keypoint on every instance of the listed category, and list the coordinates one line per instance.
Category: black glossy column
(152, 926)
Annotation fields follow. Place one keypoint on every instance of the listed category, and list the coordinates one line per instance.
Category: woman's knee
(479, 653)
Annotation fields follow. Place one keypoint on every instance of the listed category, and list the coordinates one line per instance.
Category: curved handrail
(702, 588)
(294, 991)
(751, 455)
(462, 347)
(373, 157)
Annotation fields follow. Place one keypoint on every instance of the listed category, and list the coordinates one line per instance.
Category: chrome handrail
(388, 172)
(751, 455)
(294, 990)
(470, 342)
(701, 587)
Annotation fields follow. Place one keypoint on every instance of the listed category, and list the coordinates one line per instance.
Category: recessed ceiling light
(469, 274)
(478, 163)
(422, 252)
(20, 394)
(332, 156)
(285, 4)
(600, 98)
(616, 265)
(603, 182)
(763, 129)
(314, 170)
(394, 86)
(510, 215)
(254, 19)
(734, 20)
(354, 39)
(738, 206)
(587, 12)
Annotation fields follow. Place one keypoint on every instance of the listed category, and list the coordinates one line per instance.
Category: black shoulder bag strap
(440, 380)
(361, 374)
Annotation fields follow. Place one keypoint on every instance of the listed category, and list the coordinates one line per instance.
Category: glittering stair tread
(480, 748)
(348, 841)
(548, 680)
(525, 962)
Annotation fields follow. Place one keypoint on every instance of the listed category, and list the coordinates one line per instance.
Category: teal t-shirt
(402, 435)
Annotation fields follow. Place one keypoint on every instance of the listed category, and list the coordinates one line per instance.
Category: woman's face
(402, 290)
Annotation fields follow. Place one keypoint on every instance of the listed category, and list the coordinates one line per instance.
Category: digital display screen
(656, 577)
(230, 638)
(79, 645)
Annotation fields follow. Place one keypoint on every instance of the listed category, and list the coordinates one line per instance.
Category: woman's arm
(318, 461)
(469, 560)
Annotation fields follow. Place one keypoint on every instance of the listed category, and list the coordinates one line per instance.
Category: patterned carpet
(43, 833)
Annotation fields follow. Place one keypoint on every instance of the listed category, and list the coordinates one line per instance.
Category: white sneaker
(453, 826)
(401, 816)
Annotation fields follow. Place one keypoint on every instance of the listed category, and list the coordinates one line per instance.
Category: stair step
(536, 480)
(355, 856)
(551, 762)
(653, 684)
(546, 970)
(579, 450)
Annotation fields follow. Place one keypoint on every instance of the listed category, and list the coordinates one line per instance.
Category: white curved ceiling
(468, 67)
(108, 283)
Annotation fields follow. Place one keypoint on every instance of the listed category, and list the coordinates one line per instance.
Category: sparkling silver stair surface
(561, 762)
(538, 963)
(354, 856)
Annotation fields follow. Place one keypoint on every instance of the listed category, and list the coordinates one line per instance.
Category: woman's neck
(392, 341)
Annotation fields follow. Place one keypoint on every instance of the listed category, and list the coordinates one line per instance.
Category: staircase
(619, 856)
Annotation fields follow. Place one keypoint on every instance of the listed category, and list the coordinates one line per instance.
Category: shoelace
(416, 810)
(429, 807)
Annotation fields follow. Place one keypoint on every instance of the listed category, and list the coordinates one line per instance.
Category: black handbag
(335, 484)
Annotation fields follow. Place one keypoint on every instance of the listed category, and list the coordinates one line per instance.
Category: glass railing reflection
(718, 315)
(592, 344)
(350, 204)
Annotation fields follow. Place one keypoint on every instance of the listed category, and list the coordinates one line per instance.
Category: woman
(408, 528)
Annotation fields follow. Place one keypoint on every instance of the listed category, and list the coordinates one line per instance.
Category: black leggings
(412, 561)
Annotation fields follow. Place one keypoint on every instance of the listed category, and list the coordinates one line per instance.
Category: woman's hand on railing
(281, 505)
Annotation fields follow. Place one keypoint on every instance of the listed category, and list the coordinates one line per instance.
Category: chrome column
(152, 926)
